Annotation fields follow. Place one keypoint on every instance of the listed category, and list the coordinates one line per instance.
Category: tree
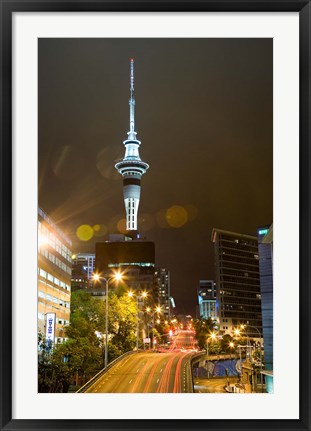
(82, 355)
(225, 343)
(203, 328)
(121, 324)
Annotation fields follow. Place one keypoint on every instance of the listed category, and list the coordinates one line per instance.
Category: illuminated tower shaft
(131, 167)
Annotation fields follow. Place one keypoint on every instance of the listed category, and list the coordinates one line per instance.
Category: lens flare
(121, 225)
(176, 216)
(84, 232)
(161, 219)
(100, 230)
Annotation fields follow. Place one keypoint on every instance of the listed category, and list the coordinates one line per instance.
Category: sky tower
(131, 167)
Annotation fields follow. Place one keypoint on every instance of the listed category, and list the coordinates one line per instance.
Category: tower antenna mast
(131, 167)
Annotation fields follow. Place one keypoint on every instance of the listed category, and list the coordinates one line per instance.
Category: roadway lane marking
(161, 370)
(130, 381)
(137, 370)
(158, 380)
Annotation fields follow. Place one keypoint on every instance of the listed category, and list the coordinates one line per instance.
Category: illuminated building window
(42, 273)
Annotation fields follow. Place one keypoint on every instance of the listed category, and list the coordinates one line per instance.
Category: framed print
(155, 215)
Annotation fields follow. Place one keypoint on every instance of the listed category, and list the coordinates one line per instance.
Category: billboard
(50, 327)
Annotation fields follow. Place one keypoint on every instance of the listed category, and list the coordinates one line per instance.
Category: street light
(212, 336)
(261, 376)
(231, 345)
(138, 296)
(158, 311)
(97, 278)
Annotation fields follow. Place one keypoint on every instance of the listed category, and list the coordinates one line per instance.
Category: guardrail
(193, 359)
(189, 379)
(104, 370)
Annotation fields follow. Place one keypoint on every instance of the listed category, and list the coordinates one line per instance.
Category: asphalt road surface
(150, 372)
(184, 339)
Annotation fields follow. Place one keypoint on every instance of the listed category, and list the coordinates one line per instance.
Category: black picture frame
(7, 8)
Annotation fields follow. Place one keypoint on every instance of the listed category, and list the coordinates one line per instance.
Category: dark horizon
(204, 119)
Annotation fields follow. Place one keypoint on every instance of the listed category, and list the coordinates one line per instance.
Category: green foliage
(224, 344)
(203, 328)
(82, 356)
(122, 325)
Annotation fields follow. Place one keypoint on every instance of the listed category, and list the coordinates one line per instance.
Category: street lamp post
(97, 277)
(261, 376)
(158, 311)
(138, 297)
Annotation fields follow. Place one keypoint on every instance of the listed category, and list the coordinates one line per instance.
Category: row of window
(55, 260)
(56, 289)
(41, 301)
(49, 237)
(41, 316)
(54, 299)
(241, 242)
(51, 223)
(246, 281)
(53, 279)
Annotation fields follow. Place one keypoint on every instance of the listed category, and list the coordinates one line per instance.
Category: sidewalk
(216, 385)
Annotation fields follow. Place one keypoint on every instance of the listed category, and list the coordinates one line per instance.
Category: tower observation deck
(131, 167)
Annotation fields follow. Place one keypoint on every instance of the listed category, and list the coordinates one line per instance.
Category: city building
(54, 279)
(225, 326)
(135, 259)
(83, 265)
(162, 277)
(237, 280)
(207, 299)
(131, 167)
(265, 248)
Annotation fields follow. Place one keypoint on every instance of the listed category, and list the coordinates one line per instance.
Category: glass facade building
(83, 265)
(265, 247)
(237, 280)
(207, 299)
(162, 277)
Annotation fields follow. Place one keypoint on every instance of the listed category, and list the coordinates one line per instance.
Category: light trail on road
(149, 371)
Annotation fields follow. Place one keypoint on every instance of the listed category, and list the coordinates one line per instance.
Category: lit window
(42, 273)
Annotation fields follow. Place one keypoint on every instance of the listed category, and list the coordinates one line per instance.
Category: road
(184, 339)
(150, 372)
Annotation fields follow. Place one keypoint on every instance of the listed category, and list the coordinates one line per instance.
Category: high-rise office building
(131, 167)
(54, 279)
(134, 258)
(162, 277)
(237, 280)
(207, 299)
(83, 265)
(265, 248)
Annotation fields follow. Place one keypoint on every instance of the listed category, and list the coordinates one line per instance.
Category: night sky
(204, 117)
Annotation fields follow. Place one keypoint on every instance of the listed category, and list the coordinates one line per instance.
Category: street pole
(240, 362)
(106, 328)
(98, 278)
(153, 331)
(137, 324)
(261, 376)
